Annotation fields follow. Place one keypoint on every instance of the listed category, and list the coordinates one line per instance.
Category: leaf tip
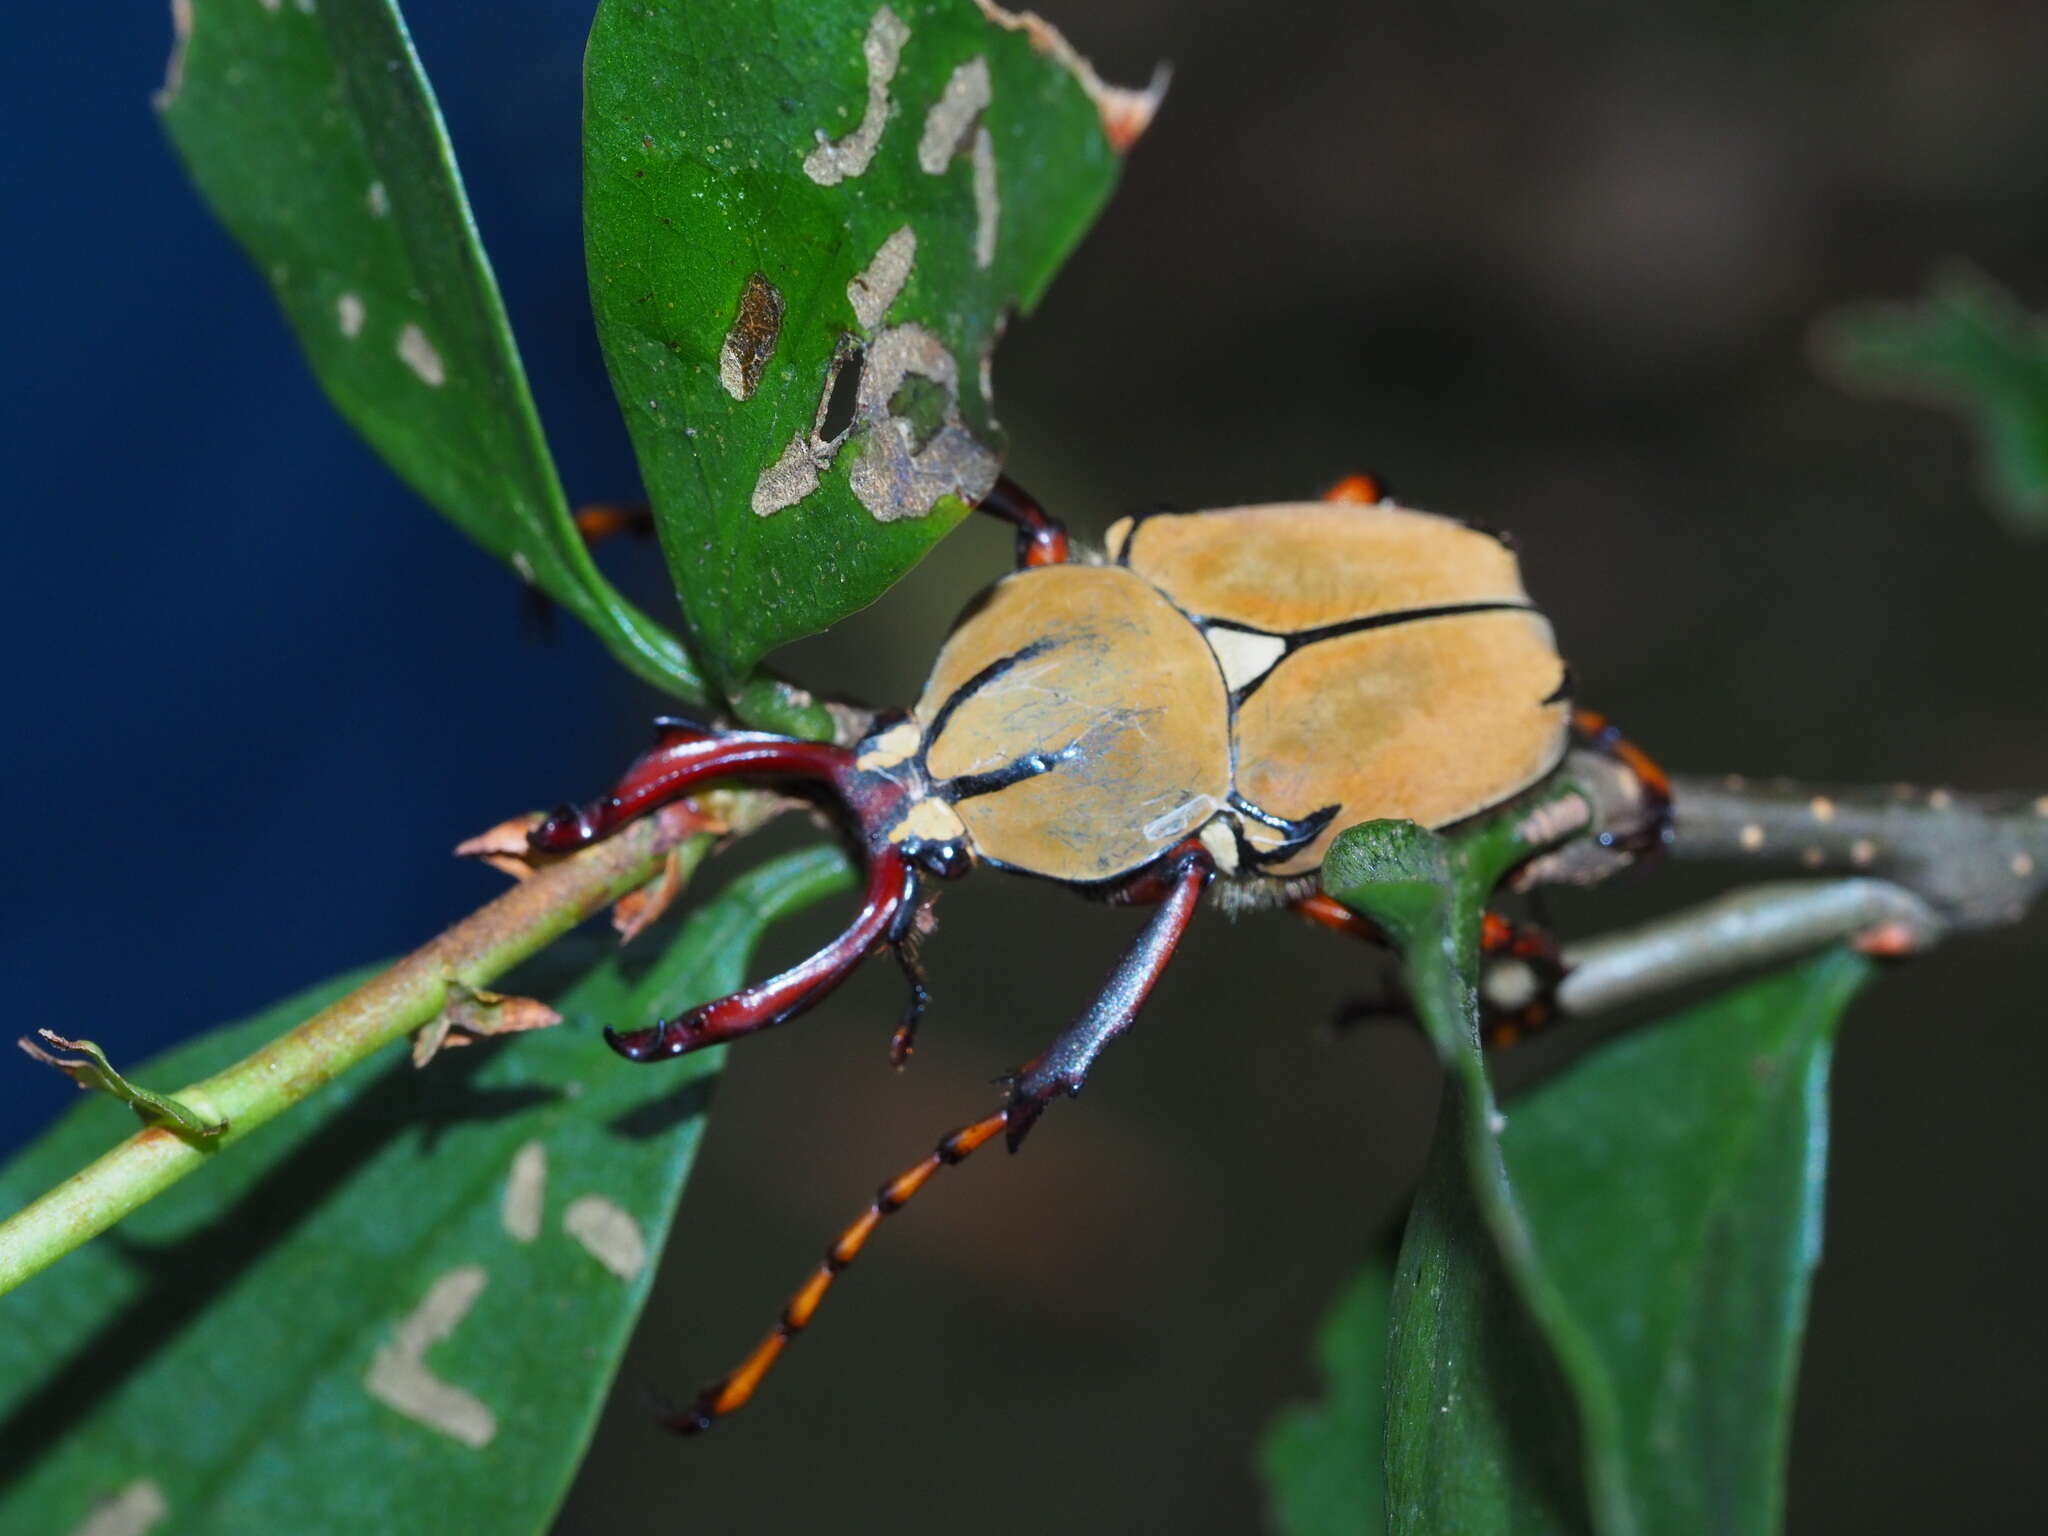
(1125, 113)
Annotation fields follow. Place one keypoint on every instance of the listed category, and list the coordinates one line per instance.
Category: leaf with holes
(396, 1309)
(312, 133)
(807, 221)
(1971, 348)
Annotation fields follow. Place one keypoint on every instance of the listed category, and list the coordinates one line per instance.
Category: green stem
(390, 1006)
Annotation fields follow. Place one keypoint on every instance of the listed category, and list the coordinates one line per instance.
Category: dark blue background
(1551, 267)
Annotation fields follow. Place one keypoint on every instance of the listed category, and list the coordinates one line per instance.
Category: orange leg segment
(1358, 490)
(1041, 540)
(732, 1391)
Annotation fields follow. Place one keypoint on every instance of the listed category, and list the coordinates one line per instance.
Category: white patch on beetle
(988, 207)
(525, 1192)
(1245, 657)
(378, 199)
(876, 287)
(1221, 842)
(934, 821)
(958, 109)
(1169, 825)
(896, 745)
(1125, 113)
(832, 161)
(607, 1234)
(348, 313)
(419, 355)
(134, 1510)
(896, 476)
(751, 341)
(398, 1379)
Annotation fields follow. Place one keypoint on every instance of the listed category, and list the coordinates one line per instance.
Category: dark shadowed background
(1548, 266)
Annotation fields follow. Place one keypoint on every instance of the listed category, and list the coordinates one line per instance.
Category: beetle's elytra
(1214, 699)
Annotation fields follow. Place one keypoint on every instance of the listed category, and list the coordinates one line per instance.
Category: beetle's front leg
(1041, 540)
(889, 904)
(1063, 1067)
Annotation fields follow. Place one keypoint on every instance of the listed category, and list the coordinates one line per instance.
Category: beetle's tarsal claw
(563, 830)
(668, 725)
(657, 1044)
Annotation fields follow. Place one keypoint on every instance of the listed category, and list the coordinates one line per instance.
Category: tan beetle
(1216, 698)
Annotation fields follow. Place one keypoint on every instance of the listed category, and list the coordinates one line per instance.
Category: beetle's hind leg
(1041, 540)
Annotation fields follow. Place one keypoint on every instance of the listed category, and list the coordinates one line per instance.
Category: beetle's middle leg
(1184, 873)
(1041, 540)
(1500, 938)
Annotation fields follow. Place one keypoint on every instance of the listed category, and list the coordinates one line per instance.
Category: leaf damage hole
(844, 396)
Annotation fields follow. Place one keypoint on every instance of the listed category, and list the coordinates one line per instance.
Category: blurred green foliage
(1970, 347)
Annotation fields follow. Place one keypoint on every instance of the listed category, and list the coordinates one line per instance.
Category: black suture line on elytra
(979, 681)
(1296, 832)
(1032, 765)
(1302, 639)
(1307, 637)
(1565, 687)
(1139, 520)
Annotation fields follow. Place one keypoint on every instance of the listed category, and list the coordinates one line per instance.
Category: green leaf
(1484, 1449)
(1600, 1299)
(774, 188)
(1968, 346)
(1674, 1185)
(396, 1309)
(1325, 1463)
(312, 133)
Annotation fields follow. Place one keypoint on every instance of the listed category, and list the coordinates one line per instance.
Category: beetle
(1208, 702)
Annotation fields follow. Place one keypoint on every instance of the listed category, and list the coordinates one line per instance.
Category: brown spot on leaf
(751, 341)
